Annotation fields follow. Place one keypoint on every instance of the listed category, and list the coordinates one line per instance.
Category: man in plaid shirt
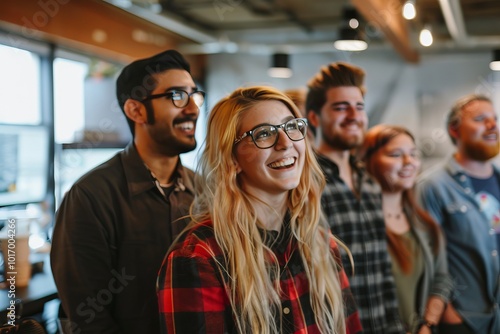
(352, 201)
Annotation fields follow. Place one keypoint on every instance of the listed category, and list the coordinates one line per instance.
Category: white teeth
(185, 125)
(282, 163)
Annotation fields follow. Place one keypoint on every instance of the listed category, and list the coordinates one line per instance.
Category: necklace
(396, 215)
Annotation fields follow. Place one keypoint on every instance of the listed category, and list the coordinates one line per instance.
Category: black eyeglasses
(266, 135)
(180, 98)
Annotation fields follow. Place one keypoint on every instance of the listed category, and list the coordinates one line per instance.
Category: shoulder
(198, 241)
(435, 173)
(109, 173)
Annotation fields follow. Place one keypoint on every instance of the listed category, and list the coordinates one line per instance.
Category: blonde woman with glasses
(257, 257)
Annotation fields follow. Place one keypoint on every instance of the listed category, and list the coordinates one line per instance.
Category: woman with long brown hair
(416, 244)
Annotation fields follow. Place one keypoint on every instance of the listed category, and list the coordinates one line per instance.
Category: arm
(430, 202)
(191, 298)
(440, 289)
(81, 263)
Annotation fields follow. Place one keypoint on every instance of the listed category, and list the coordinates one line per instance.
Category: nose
(352, 112)
(409, 159)
(283, 142)
(491, 123)
(192, 108)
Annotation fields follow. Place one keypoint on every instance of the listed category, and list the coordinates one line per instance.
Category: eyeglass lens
(180, 98)
(266, 136)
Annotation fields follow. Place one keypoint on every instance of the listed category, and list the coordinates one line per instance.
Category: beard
(480, 151)
(170, 144)
(343, 142)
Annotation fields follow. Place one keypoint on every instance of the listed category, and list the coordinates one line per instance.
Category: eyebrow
(194, 88)
(344, 103)
(284, 120)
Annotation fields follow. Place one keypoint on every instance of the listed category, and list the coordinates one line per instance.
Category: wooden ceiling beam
(386, 15)
(92, 26)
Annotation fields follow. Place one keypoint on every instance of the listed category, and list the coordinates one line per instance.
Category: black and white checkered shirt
(357, 220)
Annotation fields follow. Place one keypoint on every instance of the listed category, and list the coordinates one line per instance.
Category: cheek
(417, 164)
(387, 167)
(246, 155)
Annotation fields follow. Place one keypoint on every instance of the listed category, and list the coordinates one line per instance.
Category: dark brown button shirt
(112, 231)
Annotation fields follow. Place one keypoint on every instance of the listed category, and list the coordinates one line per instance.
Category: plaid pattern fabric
(193, 288)
(358, 221)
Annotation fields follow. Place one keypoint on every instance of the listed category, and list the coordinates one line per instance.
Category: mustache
(185, 119)
(352, 121)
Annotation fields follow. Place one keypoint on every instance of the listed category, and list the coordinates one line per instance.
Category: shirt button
(492, 231)
(494, 253)
(463, 209)
(286, 310)
(463, 178)
(467, 190)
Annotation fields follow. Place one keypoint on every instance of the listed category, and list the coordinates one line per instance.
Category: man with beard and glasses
(352, 201)
(116, 223)
(463, 196)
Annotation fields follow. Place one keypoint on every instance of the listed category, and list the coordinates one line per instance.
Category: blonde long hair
(220, 198)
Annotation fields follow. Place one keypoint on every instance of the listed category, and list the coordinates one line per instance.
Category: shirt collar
(139, 178)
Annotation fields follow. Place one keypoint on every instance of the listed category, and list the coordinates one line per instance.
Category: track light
(409, 11)
(279, 67)
(495, 63)
(425, 37)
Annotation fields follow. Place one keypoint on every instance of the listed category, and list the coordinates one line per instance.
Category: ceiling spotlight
(279, 67)
(425, 37)
(409, 11)
(350, 40)
(495, 63)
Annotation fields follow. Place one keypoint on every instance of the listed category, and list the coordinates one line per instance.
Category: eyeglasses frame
(166, 94)
(281, 126)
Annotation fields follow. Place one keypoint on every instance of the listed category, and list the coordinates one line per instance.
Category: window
(20, 86)
(69, 77)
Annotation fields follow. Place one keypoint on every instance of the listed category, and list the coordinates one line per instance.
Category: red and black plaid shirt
(193, 290)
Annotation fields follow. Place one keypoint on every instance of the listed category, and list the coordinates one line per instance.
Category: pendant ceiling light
(495, 62)
(279, 66)
(350, 37)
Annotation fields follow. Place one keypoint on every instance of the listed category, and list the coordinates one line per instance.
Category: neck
(342, 159)
(271, 213)
(394, 216)
(161, 165)
(392, 202)
(474, 168)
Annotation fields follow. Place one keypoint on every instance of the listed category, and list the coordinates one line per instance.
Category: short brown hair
(338, 74)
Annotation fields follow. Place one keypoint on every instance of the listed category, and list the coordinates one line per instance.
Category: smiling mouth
(491, 136)
(185, 126)
(282, 164)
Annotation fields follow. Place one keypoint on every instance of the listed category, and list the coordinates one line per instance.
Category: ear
(453, 131)
(237, 166)
(136, 111)
(313, 119)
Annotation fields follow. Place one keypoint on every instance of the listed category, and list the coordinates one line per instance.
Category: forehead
(476, 108)
(344, 93)
(401, 140)
(272, 112)
(173, 78)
